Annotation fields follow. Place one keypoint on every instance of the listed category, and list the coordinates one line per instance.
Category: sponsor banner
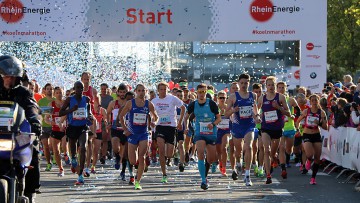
(161, 20)
(342, 146)
(175, 20)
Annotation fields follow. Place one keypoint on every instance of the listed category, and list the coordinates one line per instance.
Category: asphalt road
(106, 186)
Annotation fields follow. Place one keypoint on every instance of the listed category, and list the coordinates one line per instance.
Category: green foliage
(343, 38)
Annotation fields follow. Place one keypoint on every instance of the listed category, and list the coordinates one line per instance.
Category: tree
(343, 38)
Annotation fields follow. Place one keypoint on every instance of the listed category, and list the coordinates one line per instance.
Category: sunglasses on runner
(222, 97)
(201, 91)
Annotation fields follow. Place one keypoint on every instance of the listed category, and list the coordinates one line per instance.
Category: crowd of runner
(259, 129)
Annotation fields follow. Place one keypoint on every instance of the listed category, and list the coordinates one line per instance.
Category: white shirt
(166, 109)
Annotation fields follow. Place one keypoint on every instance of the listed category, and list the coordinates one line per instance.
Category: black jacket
(25, 99)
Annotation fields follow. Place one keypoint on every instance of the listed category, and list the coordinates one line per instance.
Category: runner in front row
(207, 117)
(315, 118)
(136, 129)
(242, 105)
(78, 111)
(273, 106)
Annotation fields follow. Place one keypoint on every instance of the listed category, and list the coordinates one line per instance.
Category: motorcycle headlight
(6, 145)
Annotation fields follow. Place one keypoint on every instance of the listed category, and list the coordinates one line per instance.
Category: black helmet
(11, 66)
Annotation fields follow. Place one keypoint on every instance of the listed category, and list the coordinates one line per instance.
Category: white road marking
(281, 192)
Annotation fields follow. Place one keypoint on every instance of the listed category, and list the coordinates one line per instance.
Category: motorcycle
(16, 144)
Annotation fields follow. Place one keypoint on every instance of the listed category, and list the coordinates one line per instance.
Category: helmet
(11, 66)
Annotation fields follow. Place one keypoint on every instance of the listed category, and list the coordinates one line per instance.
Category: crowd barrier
(342, 146)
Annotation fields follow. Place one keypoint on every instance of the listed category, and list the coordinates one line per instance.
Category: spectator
(348, 81)
(340, 117)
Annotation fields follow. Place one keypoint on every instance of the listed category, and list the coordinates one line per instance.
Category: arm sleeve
(298, 111)
(214, 107)
(25, 99)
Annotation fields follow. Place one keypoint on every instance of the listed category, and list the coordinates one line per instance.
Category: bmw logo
(313, 75)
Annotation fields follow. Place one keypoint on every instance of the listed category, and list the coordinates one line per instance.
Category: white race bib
(271, 116)
(245, 111)
(57, 121)
(310, 120)
(115, 113)
(204, 130)
(224, 124)
(79, 114)
(164, 120)
(139, 119)
(98, 125)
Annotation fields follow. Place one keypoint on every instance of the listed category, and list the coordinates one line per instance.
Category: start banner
(175, 20)
(342, 146)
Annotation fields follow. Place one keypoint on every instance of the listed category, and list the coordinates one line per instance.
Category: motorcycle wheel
(3, 191)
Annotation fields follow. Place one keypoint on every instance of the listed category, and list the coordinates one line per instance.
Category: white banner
(342, 146)
(175, 20)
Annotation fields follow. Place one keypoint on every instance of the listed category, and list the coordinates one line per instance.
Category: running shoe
(122, 175)
(164, 179)
(67, 159)
(234, 175)
(274, 164)
(132, 180)
(268, 179)
(284, 174)
(102, 160)
(213, 167)
(53, 160)
(288, 165)
(312, 181)
(86, 172)
(48, 167)
(308, 164)
(248, 181)
(61, 173)
(168, 162)
(298, 164)
(181, 167)
(261, 173)
(239, 169)
(137, 185)
(73, 165)
(117, 163)
(204, 185)
(93, 170)
(304, 171)
(80, 180)
(256, 169)
(176, 161)
(223, 171)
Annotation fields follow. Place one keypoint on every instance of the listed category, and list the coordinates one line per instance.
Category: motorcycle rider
(12, 73)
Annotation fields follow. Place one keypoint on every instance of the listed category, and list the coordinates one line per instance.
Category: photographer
(340, 117)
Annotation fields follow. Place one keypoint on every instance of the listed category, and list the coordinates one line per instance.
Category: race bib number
(79, 114)
(224, 124)
(57, 121)
(139, 119)
(245, 111)
(115, 113)
(271, 116)
(164, 120)
(310, 120)
(204, 130)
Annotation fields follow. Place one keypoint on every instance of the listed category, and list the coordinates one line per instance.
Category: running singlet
(89, 93)
(271, 118)
(78, 117)
(289, 122)
(138, 118)
(55, 117)
(204, 116)
(243, 119)
(310, 119)
(115, 112)
(98, 118)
